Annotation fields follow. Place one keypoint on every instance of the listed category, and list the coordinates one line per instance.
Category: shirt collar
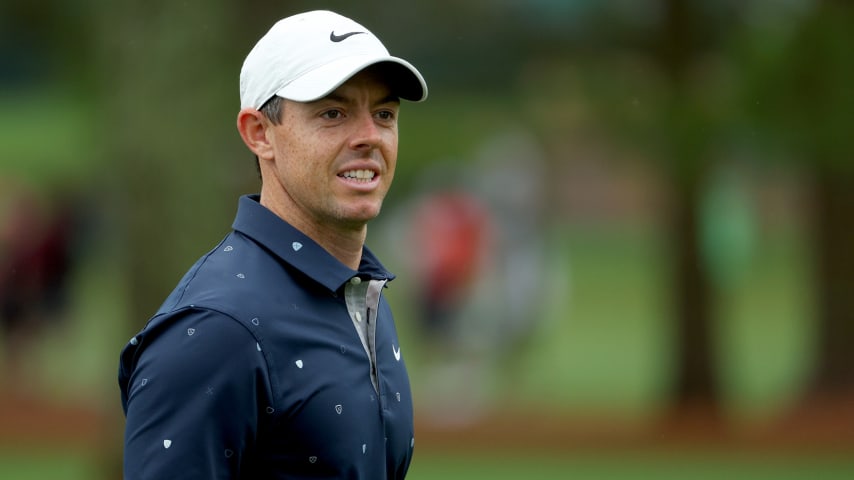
(286, 242)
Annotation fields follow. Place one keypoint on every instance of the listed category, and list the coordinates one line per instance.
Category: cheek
(391, 152)
(291, 151)
(301, 165)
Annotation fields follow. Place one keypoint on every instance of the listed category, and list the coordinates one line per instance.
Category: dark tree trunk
(695, 380)
(694, 377)
(834, 266)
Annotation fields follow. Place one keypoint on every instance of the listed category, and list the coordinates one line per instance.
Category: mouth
(358, 176)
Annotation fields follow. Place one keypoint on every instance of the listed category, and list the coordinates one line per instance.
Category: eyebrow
(391, 98)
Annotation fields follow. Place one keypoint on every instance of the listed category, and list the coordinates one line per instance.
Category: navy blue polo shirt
(253, 368)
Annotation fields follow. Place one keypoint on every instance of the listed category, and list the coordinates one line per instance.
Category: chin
(365, 211)
(359, 217)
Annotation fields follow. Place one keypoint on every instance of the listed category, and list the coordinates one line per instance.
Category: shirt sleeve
(195, 384)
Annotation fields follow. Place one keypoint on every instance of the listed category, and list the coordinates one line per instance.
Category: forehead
(373, 79)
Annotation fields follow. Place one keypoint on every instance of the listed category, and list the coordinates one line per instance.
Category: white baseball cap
(306, 56)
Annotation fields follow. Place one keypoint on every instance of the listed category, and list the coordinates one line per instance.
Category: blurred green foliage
(133, 104)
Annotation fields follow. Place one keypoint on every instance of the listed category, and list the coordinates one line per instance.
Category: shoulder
(188, 344)
(188, 332)
(199, 327)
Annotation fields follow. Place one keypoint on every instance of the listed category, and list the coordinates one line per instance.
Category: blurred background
(622, 229)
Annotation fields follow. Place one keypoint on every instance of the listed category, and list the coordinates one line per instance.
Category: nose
(366, 132)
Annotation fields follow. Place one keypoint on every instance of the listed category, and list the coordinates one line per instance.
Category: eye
(332, 114)
(385, 115)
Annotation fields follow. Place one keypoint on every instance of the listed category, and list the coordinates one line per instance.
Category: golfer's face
(335, 157)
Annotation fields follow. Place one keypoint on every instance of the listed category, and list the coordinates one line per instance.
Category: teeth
(360, 175)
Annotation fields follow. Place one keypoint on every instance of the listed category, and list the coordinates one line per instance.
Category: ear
(252, 126)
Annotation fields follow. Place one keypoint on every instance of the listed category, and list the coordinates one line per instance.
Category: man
(276, 356)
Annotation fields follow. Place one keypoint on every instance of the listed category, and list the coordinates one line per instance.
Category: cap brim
(405, 80)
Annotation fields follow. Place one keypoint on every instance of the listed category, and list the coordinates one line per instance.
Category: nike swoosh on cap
(339, 38)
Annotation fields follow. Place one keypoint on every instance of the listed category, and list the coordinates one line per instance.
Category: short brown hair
(272, 109)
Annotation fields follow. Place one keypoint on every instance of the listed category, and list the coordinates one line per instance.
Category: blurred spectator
(511, 182)
(478, 257)
(450, 235)
(35, 261)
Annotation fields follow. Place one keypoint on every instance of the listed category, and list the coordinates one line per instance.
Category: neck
(347, 248)
(343, 243)
(347, 251)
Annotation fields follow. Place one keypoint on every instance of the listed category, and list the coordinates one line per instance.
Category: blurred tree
(168, 72)
(676, 117)
(800, 93)
(688, 156)
(678, 114)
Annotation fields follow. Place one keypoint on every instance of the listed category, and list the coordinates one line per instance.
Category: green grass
(603, 343)
(607, 340)
(629, 466)
(40, 465)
